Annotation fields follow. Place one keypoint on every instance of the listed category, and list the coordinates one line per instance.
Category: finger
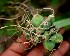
(37, 51)
(64, 47)
(16, 49)
(62, 30)
(62, 50)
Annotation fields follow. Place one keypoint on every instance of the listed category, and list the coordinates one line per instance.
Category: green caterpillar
(41, 29)
(50, 40)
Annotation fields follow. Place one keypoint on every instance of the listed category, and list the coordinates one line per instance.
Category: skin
(16, 49)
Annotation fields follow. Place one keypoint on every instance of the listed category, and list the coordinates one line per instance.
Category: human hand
(16, 49)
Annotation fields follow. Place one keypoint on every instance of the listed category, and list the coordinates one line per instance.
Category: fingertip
(64, 47)
(56, 53)
(62, 30)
